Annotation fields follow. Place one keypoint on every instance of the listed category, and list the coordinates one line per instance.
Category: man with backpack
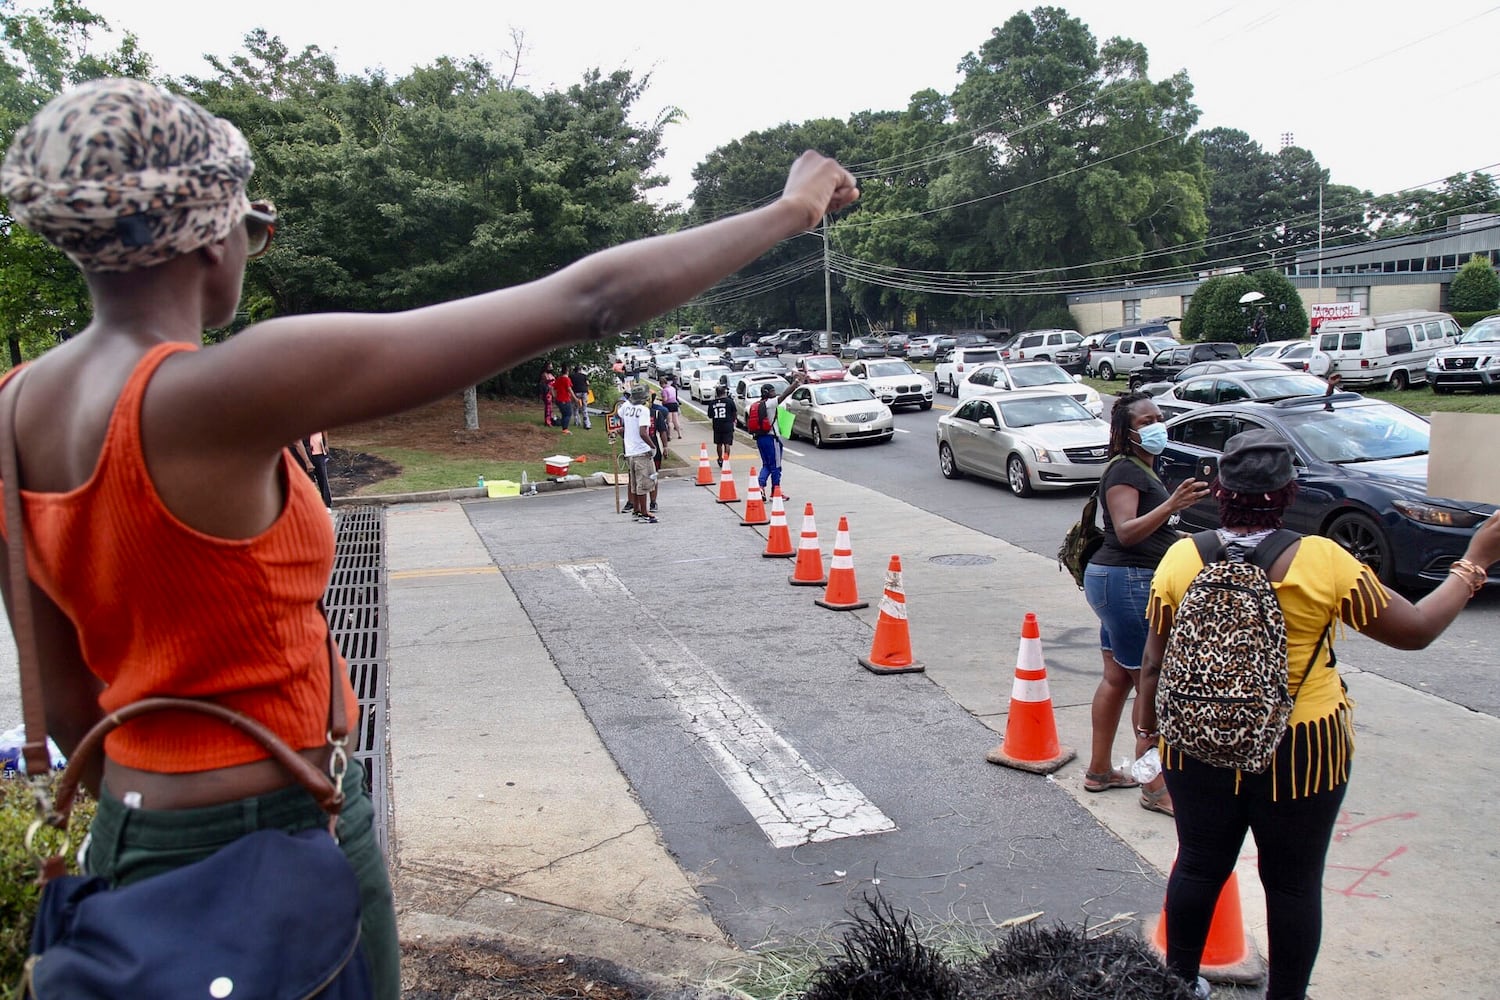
(760, 421)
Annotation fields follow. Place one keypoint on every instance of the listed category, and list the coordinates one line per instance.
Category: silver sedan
(830, 412)
(1029, 439)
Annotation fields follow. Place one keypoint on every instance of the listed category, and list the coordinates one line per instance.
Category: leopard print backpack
(1222, 696)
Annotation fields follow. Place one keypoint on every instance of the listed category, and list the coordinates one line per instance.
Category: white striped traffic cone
(843, 591)
(1030, 730)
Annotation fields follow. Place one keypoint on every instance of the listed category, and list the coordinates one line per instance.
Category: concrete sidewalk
(512, 819)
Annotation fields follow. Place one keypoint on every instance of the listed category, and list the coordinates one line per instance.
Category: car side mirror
(1077, 378)
(988, 422)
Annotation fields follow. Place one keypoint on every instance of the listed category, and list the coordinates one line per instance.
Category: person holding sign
(761, 422)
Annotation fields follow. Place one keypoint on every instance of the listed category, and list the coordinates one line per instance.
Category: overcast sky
(1386, 96)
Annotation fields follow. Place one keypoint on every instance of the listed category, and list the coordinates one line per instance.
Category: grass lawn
(428, 448)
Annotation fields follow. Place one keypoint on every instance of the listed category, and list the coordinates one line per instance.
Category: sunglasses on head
(260, 226)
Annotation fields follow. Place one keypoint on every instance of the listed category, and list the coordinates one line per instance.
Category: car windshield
(1482, 333)
(821, 364)
(779, 384)
(1157, 344)
(1028, 375)
(1266, 351)
(711, 371)
(1367, 433)
(1053, 410)
(882, 369)
(842, 392)
(1290, 384)
(741, 352)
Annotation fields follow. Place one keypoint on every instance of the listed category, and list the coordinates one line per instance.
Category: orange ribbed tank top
(163, 609)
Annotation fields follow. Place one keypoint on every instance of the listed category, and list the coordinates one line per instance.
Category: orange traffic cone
(705, 471)
(728, 493)
(1030, 731)
(779, 541)
(1229, 954)
(843, 591)
(890, 653)
(809, 570)
(755, 506)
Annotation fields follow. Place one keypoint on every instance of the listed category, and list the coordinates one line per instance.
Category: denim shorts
(1118, 595)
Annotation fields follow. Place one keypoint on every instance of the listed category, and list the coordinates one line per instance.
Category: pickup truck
(950, 372)
(1128, 354)
(1165, 364)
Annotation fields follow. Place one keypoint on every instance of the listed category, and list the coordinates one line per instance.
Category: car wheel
(1400, 380)
(947, 464)
(1362, 538)
(1016, 477)
(817, 435)
(1107, 371)
(1043, 357)
(1135, 383)
(925, 405)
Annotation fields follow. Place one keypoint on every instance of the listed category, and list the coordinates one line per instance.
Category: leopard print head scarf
(121, 175)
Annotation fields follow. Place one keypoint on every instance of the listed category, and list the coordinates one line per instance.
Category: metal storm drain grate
(356, 613)
(962, 559)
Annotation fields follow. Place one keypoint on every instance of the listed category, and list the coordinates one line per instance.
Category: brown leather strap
(327, 792)
(318, 784)
(23, 623)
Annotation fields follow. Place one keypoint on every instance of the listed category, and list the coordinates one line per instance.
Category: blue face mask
(1153, 438)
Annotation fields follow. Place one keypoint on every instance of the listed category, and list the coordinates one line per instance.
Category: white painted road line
(793, 801)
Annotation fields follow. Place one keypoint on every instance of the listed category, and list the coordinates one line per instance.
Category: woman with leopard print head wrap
(149, 577)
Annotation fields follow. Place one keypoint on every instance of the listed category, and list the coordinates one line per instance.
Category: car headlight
(1490, 362)
(1042, 454)
(1443, 517)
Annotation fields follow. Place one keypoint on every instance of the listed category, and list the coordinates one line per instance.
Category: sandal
(1107, 781)
(1152, 801)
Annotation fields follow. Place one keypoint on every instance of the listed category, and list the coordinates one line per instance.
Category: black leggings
(1292, 837)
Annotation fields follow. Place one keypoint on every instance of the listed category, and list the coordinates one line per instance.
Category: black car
(1361, 475)
(1174, 359)
(1209, 368)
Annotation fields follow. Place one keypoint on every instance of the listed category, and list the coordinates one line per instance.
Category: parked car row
(1361, 463)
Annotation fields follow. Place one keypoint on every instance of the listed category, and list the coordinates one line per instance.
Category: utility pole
(1320, 241)
(827, 293)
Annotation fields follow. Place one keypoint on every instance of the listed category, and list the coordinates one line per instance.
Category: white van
(1390, 349)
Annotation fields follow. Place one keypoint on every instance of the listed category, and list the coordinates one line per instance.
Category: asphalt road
(1458, 667)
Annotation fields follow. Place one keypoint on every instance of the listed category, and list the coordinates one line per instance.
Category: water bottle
(1147, 767)
(480, 484)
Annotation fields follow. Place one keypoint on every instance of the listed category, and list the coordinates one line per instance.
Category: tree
(1217, 314)
(43, 298)
(1239, 182)
(1086, 158)
(1421, 210)
(446, 182)
(786, 282)
(1476, 287)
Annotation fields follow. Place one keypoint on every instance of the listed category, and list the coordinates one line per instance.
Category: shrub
(1216, 314)
(19, 893)
(1475, 287)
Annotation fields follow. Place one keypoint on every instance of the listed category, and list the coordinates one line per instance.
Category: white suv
(1041, 345)
(949, 373)
(1129, 354)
